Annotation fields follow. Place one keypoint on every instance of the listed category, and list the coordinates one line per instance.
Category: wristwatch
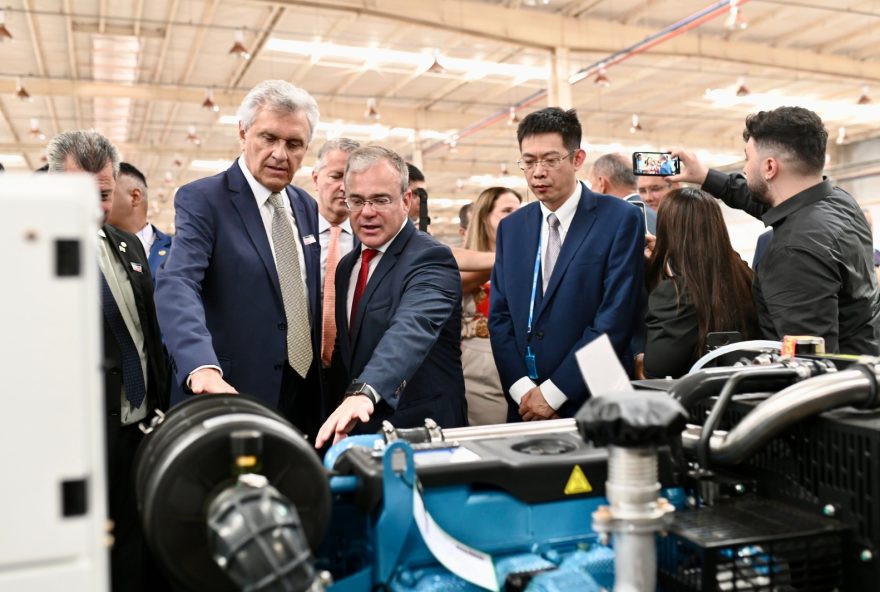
(362, 388)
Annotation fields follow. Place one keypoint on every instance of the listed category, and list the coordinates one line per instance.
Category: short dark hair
(794, 130)
(415, 175)
(2, 168)
(464, 214)
(132, 171)
(552, 120)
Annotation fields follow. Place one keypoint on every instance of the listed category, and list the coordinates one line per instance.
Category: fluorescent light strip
(841, 112)
(12, 160)
(374, 56)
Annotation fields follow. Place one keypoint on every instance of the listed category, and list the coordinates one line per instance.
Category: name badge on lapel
(308, 239)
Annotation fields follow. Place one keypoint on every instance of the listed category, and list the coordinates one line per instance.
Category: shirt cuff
(554, 397)
(519, 388)
(190, 375)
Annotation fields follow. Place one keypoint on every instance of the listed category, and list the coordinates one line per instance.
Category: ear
(579, 158)
(769, 168)
(241, 133)
(315, 178)
(136, 197)
(407, 199)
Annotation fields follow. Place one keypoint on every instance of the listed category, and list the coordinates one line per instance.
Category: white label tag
(466, 562)
(308, 239)
(601, 369)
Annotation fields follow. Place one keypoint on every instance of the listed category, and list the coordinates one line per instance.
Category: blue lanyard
(534, 289)
(529, 358)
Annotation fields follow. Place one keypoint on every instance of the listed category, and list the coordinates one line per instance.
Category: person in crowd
(816, 276)
(128, 211)
(337, 240)
(665, 165)
(464, 217)
(568, 268)
(485, 397)
(612, 174)
(653, 189)
(134, 364)
(698, 284)
(398, 314)
(416, 181)
(238, 296)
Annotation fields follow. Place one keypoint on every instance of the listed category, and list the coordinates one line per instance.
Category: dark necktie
(132, 373)
(364, 272)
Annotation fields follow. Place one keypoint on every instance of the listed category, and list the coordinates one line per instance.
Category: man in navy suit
(398, 310)
(128, 212)
(567, 269)
(238, 296)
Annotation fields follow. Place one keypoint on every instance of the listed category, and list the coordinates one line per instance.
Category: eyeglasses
(551, 162)
(356, 204)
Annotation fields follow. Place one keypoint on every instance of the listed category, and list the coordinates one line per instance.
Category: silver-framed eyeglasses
(356, 204)
(550, 162)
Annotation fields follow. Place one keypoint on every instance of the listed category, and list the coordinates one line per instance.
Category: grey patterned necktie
(296, 309)
(554, 243)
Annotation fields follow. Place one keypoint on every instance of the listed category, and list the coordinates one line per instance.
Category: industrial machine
(53, 519)
(623, 497)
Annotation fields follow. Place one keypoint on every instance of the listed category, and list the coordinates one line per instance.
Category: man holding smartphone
(817, 274)
(611, 174)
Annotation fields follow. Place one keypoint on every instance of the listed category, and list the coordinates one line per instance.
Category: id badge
(531, 366)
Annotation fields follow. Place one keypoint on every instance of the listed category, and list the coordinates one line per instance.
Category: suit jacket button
(540, 335)
(282, 326)
(278, 366)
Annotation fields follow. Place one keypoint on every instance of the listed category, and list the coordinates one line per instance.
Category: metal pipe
(502, 430)
(785, 408)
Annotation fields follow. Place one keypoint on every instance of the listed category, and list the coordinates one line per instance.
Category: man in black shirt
(816, 276)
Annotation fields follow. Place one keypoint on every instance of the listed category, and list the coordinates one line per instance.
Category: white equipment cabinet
(53, 517)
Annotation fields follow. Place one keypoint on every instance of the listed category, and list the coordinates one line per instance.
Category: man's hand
(533, 407)
(352, 410)
(639, 361)
(650, 243)
(208, 380)
(693, 171)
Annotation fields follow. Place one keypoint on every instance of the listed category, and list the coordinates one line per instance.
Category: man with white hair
(239, 294)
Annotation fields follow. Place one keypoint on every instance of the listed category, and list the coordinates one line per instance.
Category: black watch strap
(362, 388)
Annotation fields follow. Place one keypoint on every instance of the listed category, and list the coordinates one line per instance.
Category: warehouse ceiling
(443, 82)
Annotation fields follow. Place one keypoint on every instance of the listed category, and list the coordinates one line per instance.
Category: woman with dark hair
(485, 397)
(698, 284)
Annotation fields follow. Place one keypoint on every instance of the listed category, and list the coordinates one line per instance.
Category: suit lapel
(581, 223)
(386, 263)
(246, 205)
(135, 279)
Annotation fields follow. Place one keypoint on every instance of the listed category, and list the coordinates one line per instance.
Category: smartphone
(657, 164)
(641, 206)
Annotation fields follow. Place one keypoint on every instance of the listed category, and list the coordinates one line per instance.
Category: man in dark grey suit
(398, 310)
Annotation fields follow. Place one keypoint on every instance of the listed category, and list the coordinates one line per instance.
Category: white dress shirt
(346, 242)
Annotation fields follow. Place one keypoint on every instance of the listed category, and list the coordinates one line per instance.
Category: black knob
(635, 419)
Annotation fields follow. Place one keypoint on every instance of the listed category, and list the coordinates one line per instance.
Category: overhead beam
(543, 30)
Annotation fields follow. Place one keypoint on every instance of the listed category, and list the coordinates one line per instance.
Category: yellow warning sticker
(577, 482)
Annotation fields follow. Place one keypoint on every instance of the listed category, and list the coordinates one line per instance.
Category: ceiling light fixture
(636, 126)
(864, 99)
(512, 118)
(208, 103)
(504, 169)
(602, 78)
(192, 137)
(735, 19)
(35, 129)
(238, 47)
(21, 92)
(741, 89)
(841, 135)
(4, 32)
(372, 112)
(436, 67)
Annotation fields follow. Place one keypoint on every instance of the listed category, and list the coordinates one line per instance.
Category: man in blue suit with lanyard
(238, 296)
(567, 269)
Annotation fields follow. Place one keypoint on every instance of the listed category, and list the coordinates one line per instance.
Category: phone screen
(641, 206)
(658, 164)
